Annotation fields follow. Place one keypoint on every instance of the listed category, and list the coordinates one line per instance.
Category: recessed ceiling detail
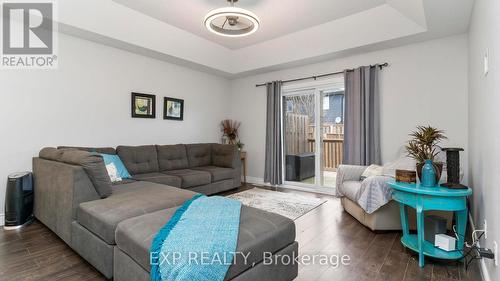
(277, 17)
(288, 35)
(232, 21)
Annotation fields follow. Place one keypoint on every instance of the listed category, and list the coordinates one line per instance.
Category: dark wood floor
(35, 253)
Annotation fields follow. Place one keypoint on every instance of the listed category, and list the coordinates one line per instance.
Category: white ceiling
(277, 17)
(293, 32)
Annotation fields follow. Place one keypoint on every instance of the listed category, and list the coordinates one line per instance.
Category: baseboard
(2, 219)
(255, 180)
(482, 264)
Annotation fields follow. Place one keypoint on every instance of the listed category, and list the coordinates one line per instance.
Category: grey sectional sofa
(111, 225)
(203, 168)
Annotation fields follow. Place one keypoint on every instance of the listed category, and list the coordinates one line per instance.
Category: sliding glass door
(313, 117)
(332, 134)
(299, 136)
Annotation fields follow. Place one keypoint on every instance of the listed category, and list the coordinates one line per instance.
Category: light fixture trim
(235, 12)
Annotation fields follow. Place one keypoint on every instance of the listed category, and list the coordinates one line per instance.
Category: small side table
(243, 155)
(430, 198)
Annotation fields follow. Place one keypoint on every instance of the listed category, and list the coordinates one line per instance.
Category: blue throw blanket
(198, 242)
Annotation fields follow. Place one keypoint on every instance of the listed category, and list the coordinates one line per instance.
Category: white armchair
(349, 186)
(381, 212)
(348, 173)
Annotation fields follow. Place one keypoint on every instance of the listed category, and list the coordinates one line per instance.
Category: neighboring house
(334, 108)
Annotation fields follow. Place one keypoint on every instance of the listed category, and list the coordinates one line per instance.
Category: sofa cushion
(105, 150)
(223, 155)
(199, 154)
(218, 173)
(115, 161)
(260, 232)
(139, 159)
(160, 178)
(172, 157)
(123, 181)
(92, 164)
(128, 200)
(51, 153)
(191, 178)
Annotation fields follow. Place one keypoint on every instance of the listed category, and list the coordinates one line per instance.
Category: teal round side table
(430, 198)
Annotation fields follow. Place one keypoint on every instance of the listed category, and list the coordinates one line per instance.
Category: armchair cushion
(350, 189)
(370, 193)
(374, 193)
(372, 170)
(347, 173)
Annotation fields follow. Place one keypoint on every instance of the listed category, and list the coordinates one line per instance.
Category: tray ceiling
(278, 17)
(292, 32)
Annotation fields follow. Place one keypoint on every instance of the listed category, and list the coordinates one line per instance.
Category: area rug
(289, 205)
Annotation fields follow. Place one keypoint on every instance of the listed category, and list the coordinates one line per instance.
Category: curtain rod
(322, 75)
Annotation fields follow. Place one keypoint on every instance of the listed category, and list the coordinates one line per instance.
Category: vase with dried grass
(229, 129)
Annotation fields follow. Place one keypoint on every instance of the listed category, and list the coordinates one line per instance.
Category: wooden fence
(329, 131)
(332, 152)
(300, 138)
(296, 126)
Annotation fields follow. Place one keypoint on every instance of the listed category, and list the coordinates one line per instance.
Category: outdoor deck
(300, 137)
(329, 179)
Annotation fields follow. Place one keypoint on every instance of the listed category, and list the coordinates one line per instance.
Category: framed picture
(173, 109)
(143, 105)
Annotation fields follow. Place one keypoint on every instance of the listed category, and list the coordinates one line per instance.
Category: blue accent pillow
(120, 167)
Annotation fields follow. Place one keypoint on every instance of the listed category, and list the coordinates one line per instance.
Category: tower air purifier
(19, 200)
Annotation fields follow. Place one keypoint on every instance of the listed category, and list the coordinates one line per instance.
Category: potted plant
(240, 145)
(424, 146)
(229, 129)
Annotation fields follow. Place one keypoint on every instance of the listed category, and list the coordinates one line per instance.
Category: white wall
(87, 102)
(426, 83)
(484, 115)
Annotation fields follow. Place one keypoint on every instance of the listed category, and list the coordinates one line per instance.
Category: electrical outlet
(486, 62)
(495, 252)
(485, 229)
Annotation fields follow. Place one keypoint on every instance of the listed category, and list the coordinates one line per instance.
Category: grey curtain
(362, 116)
(273, 172)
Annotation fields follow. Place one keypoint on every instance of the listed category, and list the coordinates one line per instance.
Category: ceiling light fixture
(231, 21)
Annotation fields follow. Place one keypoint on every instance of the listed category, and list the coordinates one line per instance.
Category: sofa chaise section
(260, 232)
(101, 217)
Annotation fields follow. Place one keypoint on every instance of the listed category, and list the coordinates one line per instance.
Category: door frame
(317, 86)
